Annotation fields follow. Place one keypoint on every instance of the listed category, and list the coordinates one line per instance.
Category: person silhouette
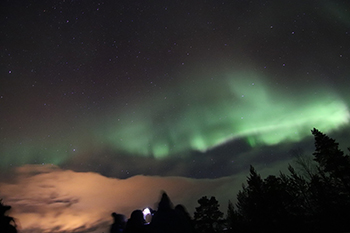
(136, 223)
(186, 220)
(118, 223)
(166, 219)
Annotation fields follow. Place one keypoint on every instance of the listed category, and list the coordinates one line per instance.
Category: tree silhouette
(208, 217)
(234, 219)
(332, 160)
(264, 204)
(7, 223)
(330, 187)
(316, 200)
(250, 203)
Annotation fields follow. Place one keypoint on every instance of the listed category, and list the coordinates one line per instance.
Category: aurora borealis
(211, 114)
(169, 94)
(203, 116)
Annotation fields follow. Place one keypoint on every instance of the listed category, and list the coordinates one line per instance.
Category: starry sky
(125, 96)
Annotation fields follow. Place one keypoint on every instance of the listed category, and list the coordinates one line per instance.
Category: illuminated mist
(45, 198)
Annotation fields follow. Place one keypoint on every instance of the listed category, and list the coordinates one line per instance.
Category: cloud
(47, 198)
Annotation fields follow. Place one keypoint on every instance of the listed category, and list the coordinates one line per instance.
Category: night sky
(105, 103)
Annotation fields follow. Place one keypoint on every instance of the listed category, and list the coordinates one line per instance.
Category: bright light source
(146, 212)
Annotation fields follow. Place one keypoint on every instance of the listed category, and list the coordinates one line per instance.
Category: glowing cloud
(46, 198)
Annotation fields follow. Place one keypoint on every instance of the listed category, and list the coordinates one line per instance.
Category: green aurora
(194, 114)
(202, 114)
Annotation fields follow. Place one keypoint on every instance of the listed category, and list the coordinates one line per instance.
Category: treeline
(313, 198)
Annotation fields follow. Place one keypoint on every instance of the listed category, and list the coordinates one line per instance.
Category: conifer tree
(332, 161)
(208, 217)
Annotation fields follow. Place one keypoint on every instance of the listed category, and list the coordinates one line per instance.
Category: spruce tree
(208, 217)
